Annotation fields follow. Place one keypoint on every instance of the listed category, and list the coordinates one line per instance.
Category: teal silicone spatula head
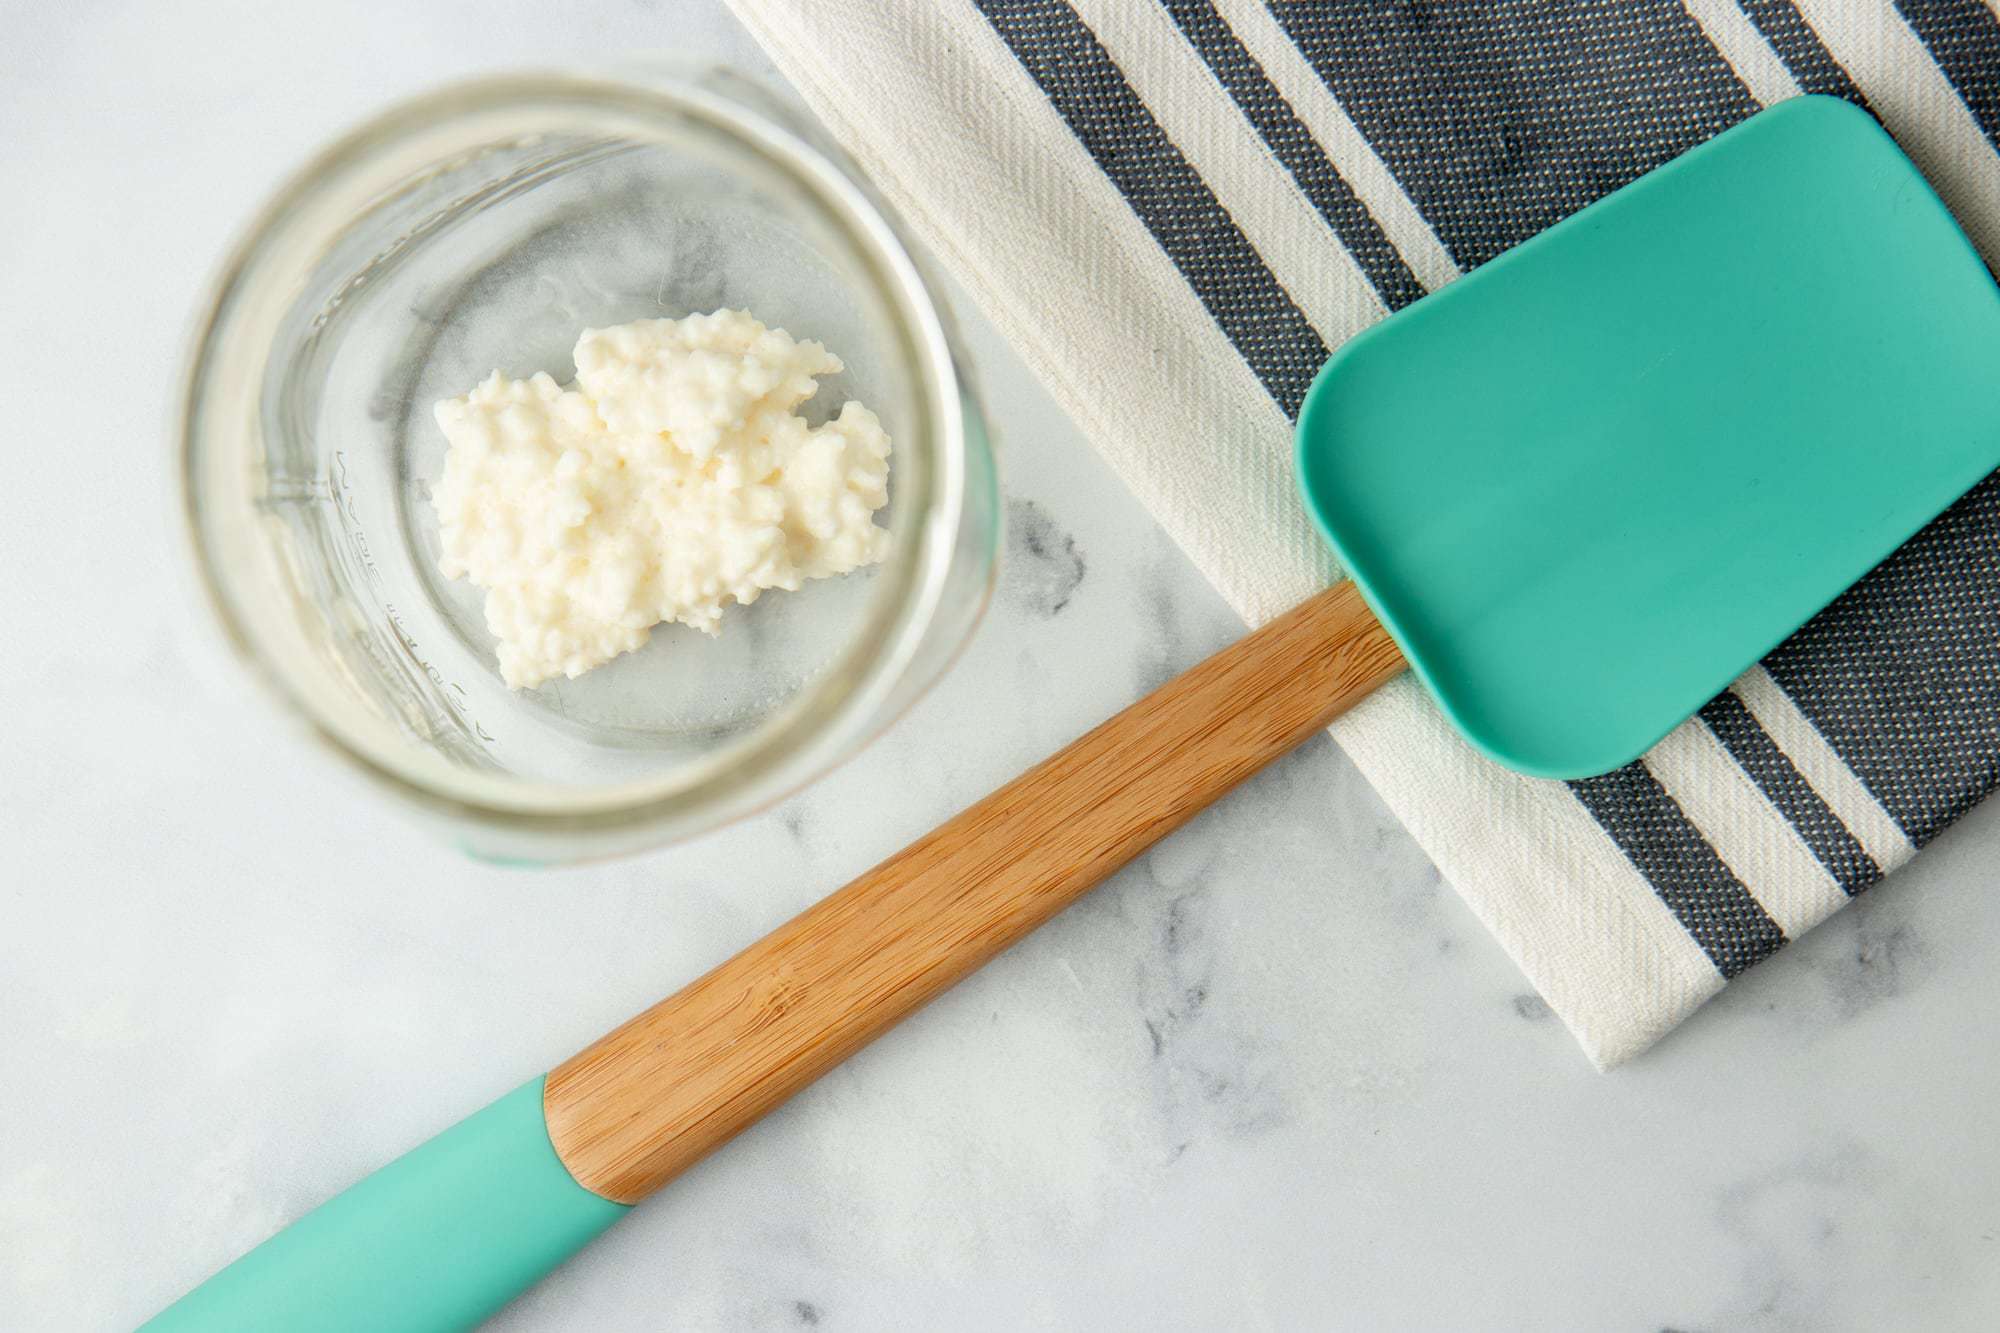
(1590, 483)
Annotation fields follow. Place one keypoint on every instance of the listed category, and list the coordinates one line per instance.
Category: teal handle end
(440, 1238)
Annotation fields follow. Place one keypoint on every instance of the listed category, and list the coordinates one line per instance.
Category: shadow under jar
(484, 227)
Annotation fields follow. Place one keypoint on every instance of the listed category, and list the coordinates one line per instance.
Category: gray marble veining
(1273, 1075)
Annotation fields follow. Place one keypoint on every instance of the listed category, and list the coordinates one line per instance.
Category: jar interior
(491, 243)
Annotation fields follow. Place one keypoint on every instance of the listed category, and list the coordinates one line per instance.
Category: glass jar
(485, 226)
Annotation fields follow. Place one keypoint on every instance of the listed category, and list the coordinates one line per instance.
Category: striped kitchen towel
(1233, 188)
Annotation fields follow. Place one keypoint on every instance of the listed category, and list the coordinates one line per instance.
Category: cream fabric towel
(1233, 189)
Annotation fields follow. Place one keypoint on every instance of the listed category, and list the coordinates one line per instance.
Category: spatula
(1579, 491)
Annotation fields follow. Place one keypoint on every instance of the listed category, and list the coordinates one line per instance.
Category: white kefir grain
(671, 479)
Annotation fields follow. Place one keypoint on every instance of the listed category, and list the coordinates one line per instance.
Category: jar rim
(833, 714)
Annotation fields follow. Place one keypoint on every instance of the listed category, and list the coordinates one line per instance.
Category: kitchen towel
(1174, 210)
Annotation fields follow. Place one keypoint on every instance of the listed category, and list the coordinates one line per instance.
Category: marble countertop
(1272, 1076)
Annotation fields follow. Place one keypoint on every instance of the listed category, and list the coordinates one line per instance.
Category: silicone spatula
(1581, 489)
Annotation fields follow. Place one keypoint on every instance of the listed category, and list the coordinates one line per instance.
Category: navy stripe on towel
(1964, 38)
(1781, 782)
(1731, 926)
(1800, 48)
(1504, 117)
(1901, 673)
(1293, 145)
(1089, 91)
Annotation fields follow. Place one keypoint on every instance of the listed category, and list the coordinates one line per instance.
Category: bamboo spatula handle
(651, 1098)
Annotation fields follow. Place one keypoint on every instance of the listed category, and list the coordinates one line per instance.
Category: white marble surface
(1273, 1076)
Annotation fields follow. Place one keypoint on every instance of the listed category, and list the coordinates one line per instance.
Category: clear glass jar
(484, 226)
